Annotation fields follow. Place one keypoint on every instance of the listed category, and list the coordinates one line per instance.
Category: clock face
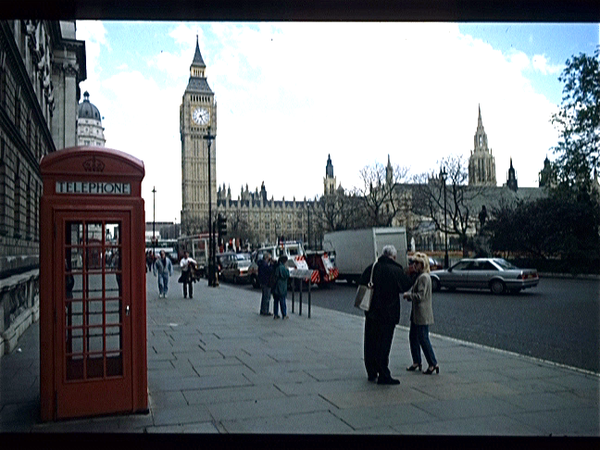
(201, 116)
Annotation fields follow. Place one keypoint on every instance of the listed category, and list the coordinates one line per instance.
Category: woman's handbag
(364, 294)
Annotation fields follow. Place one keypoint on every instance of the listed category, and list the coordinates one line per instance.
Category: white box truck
(354, 250)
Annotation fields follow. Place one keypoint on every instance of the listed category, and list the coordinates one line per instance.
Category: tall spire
(329, 167)
(389, 172)
(198, 61)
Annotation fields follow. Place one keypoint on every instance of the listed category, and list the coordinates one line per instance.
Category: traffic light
(221, 226)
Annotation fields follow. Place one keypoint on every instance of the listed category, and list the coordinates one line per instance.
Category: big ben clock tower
(198, 119)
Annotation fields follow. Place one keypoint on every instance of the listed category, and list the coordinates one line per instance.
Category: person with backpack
(281, 275)
(265, 270)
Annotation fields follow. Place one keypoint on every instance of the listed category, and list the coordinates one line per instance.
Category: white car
(495, 274)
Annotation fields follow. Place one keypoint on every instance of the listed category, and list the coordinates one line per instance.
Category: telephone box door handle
(127, 310)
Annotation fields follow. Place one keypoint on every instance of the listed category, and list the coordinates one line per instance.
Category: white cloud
(541, 64)
(290, 94)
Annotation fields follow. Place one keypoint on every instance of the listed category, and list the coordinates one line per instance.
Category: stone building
(252, 218)
(41, 66)
(198, 120)
(255, 219)
(89, 124)
(329, 182)
(482, 164)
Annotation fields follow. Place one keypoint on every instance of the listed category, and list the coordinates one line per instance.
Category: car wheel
(435, 285)
(254, 281)
(497, 287)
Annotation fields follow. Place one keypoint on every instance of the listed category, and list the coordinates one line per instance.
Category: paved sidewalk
(216, 366)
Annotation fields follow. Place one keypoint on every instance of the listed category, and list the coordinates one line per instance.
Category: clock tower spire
(197, 119)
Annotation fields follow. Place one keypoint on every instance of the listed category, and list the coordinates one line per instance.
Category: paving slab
(215, 366)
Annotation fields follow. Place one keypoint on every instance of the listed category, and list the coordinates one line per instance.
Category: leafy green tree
(549, 229)
(578, 124)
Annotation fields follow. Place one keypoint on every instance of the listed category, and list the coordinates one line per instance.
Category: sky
(290, 94)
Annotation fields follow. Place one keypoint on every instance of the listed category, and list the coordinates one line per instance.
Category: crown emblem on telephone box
(93, 165)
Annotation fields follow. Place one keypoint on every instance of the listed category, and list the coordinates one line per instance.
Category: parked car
(225, 259)
(236, 271)
(495, 274)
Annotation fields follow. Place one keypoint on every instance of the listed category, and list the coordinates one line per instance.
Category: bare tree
(238, 227)
(452, 209)
(377, 192)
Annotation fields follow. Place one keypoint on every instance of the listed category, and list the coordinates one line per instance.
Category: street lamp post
(211, 239)
(443, 177)
(153, 221)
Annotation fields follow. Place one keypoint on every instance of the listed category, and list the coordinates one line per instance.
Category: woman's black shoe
(430, 370)
(413, 367)
(388, 381)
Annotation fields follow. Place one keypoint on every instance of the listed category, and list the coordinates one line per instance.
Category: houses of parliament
(266, 218)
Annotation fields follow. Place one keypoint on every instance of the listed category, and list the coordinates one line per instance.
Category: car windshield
(293, 251)
(504, 264)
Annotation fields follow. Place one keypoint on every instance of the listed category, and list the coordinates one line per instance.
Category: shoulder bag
(364, 294)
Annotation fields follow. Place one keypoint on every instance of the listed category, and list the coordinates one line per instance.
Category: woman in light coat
(421, 316)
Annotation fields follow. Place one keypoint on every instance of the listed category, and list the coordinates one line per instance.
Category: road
(559, 320)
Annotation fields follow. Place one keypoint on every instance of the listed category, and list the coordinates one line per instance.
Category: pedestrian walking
(389, 281)
(149, 260)
(421, 316)
(163, 268)
(187, 265)
(265, 269)
(282, 274)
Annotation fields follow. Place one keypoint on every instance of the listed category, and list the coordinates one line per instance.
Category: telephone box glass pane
(94, 286)
(95, 340)
(74, 235)
(74, 259)
(112, 259)
(95, 313)
(113, 338)
(93, 302)
(113, 233)
(77, 291)
(113, 311)
(93, 257)
(74, 314)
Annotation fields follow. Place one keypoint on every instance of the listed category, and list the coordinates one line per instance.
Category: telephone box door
(93, 356)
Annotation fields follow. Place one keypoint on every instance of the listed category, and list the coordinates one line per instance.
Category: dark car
(495, 274)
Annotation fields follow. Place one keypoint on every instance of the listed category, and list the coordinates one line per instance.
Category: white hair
(390, 251)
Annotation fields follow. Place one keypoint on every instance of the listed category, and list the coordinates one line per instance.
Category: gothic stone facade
(255, 220)
(41, 65)
(482, 164)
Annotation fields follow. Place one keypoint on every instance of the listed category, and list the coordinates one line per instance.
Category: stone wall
(19, 307)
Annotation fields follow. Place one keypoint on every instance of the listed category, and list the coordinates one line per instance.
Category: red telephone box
(92, 284)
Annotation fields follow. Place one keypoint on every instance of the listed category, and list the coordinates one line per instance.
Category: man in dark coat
(390, 282)
(265, 268)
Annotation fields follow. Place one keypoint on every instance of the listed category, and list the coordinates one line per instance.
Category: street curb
(494, 349)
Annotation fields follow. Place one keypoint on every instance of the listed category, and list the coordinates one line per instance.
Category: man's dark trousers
(378, 344)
